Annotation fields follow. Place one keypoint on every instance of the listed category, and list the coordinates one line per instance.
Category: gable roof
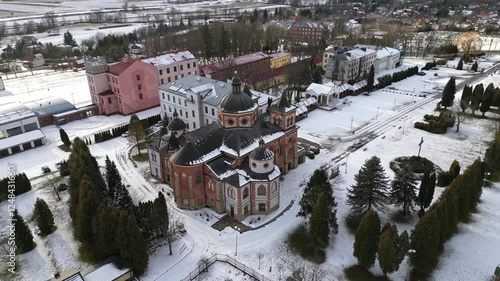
(118, 68)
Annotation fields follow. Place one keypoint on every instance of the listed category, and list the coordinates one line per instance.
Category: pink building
(131, 85)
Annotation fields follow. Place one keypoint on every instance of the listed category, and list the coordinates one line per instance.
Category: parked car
(125, 135)
(421, 74)
(45, 169)
(58, 165)
(180, 228)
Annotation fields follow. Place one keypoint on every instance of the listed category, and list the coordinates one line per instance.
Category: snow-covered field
(472, 254)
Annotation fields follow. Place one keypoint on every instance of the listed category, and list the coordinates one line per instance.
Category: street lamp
(352, 119)
(404, 121)
(376, 118)
(73, 98)
(237, 230)
(346, 158)
(394, 105)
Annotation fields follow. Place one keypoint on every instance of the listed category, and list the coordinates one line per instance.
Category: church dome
(261, 153)
(176, 124)
(236, 101)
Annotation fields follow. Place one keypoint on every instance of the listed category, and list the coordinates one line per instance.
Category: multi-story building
(233, 165)
(345, 64)
(131, 85)
(387, 58)
(195, 99)
(280, 59)
(245, 65)
(305, 31)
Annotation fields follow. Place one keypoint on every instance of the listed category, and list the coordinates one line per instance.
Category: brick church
(233, 165)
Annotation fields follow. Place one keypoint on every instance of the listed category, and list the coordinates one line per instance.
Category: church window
(254, 165)
(261, 190)
(275, 187)
(245, 193)
(262, 207)
(266, 165)
(230, 192)
(230, 122)
(244, 121)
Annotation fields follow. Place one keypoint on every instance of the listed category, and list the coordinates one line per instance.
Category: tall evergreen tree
(387, 250)
(426, 191)
(131, 244)
(317, 184)
(113, 177)
(319, 227)
(476, 98)
(370, 189)
(24, 238)
(64, 138)
(88, 203)
(107, 227)
(264, 17)
(69, 40)
(207, 47)
(465, 99)
(403, 190)
(425, 241)
(224, 43)
(370, 80)
(474, 66)
(43, 217)
(460, 65)
(316, 75)
(487, 99)
(366, 239)
(492, 155)
(122, 199)
(449, 93)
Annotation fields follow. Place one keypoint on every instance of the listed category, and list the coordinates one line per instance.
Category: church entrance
(232, 212)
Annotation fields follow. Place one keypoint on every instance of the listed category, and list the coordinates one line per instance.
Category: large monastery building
(233, 166)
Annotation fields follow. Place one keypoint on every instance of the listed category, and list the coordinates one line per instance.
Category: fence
(225, 258)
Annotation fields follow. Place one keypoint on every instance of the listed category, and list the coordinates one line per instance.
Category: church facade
(233, 166)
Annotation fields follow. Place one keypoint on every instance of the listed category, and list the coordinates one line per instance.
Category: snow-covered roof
(20, 139)
(106, 272)
(168, 59)
(13, 112)
(50, 106)
(386, 52)
(319, 88)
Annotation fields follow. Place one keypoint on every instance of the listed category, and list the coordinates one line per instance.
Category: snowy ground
(278, 263)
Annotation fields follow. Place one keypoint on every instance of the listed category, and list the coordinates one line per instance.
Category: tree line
(21, 185)
(481, 99)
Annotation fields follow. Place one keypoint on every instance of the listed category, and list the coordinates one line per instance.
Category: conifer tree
(476, 98)
(43, 217)
(370, 79)
(487, 99)
(425, 241)
(317, 184)
(88, 203)
(366, 239)
(24, 238)
(107, 227)
(122, 199)
(403, 190)
(449, 93)
(64, 138)
(460, 65)
(388, 248)
(492, 155)
(426, 191)
(319, 227)
(474, 66)
(370, 189)
(465, 99)
(316, 75)
(136, 252)
(113, 177)
(121, 233)
(136, 131)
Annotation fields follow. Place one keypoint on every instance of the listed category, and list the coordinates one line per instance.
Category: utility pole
(376, 118)
(346, 158)
(394, 105)
(404, 121)
(352, 119)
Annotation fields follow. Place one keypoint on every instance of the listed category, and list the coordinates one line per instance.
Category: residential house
(174, 65)
(387, 58)
(135, 48)
(233, 165)
(33, 61)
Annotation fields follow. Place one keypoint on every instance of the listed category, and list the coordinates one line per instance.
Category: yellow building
(280, 59)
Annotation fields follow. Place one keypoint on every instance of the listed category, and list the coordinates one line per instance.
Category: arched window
(245, 193)
(197, 177)
(211, 186)
(230, 192)
(261, 190)
(183, 174)
(275, 187)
